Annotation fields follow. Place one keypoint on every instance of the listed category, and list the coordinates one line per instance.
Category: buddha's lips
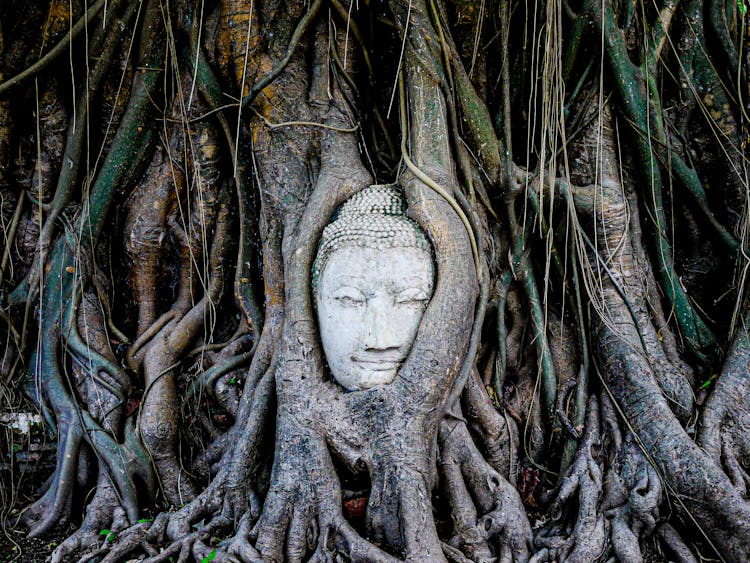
(377, 364)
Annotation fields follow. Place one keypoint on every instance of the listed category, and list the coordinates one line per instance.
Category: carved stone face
(370, 303)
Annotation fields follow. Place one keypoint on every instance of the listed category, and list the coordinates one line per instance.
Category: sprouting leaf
(142, 520)
(705, 384)
(105, 532)
(233, 380)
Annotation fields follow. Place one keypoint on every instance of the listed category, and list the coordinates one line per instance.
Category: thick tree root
(229, 500)
(612, 514)
(486, 509)
(102, 386)
(724, 432)
(676, 544)
(582, 488)
(302, 511)
(633, 493)
(103, 513)
(649, 392)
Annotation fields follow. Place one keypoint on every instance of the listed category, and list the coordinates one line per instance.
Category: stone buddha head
(373, 277)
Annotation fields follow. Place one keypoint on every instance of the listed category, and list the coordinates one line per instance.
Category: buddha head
(372, 280)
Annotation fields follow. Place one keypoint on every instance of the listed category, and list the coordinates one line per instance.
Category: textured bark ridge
(577, 389)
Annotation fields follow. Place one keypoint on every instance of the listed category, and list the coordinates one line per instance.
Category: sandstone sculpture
(372, 278)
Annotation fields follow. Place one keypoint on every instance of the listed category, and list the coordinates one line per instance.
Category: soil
(35, 460)
(15, 546)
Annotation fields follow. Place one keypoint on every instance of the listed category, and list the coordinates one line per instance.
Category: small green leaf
(705, 384)
(211, 557)
(105, 532)
(142, 520)
(233, 380)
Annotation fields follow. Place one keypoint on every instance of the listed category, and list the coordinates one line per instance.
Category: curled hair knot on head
(374, 217)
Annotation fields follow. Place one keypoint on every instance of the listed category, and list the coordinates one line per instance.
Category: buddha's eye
(349, 297)
(412, 296)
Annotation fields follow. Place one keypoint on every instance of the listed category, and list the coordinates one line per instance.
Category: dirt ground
(14, 546)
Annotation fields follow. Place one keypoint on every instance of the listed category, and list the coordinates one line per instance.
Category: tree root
(229, 500)
(633, 493)
(582, 488)
(676, 544)
(122, 462)
(485, 508)
(404, 451)
(724, 432)
(497, 434)
(102, 513)
(302, 511)
(130, 540)
(613, 514)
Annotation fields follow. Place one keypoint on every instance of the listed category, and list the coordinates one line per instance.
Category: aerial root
(497, 434)
(514, 337)
(53, 509)
(467, 536)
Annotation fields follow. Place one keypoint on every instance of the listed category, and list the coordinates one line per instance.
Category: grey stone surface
(374, 278)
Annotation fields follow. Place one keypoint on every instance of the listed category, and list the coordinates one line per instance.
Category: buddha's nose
(380, 330)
